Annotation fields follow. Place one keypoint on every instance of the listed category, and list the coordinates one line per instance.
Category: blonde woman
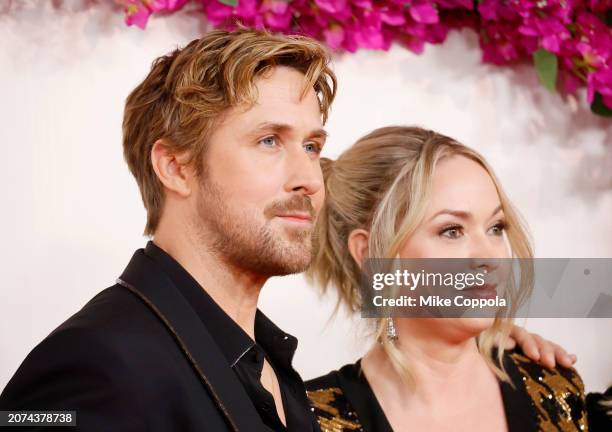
(413, 193)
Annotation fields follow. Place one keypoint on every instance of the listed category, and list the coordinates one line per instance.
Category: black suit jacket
(135, 358)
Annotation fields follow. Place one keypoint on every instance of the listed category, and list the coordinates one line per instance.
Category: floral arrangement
(569, 41)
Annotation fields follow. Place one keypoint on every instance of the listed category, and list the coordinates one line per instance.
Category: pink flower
(601, 82)
(392, 15)
(424, 13)
(136, 13)
(371, 38)
(334, 36)
(456, 4)
(509, 31)
(165, 5)
(332, 6)
(277, 14)
(569, 81)
(363, 4)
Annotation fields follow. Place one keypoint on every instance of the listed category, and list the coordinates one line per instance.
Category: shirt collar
(233, 341)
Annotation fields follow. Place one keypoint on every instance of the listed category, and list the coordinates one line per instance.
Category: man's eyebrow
(284, 128)
(319, 133)
(275, 127)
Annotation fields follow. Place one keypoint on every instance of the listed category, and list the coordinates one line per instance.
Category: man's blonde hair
(382, 184)
(187, 90)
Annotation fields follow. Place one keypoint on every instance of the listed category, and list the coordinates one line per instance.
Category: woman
(413, 193)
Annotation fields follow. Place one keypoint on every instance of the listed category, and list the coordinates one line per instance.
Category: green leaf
(598, 106)
(229, 2)
(608, 17)
(546, 65)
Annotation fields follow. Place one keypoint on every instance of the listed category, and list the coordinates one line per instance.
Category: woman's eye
(498, 229)
(452, 232)
(268, 141)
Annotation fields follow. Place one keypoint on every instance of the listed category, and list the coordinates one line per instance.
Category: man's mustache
(297, 203)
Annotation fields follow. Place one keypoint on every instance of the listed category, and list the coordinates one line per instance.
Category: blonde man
(223, 137)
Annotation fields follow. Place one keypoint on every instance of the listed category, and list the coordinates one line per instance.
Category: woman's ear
(170, 168)
(358, 245)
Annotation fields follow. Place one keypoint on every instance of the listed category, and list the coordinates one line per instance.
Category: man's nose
(304, 173)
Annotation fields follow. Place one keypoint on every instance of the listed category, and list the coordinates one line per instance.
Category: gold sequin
(330, 415)
(554, 396)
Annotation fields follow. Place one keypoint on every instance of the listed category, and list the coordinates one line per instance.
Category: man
(223, 138)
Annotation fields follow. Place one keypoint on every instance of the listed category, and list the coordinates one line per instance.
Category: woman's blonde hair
(382, 184)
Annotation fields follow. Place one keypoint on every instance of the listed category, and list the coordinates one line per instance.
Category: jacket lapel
(156, 290)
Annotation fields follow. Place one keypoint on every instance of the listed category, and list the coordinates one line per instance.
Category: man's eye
(312, 148)
(268, 141)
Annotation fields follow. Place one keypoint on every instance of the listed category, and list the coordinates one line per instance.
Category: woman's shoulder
(351, 371)
(557, 394)
(334, 411)
(558, 380)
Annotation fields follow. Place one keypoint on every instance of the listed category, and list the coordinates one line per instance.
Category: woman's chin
(474, 326)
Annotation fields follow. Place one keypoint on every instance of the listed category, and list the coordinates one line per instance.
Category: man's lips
(296, 217)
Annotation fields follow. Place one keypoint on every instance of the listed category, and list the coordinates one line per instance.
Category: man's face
(262, 186)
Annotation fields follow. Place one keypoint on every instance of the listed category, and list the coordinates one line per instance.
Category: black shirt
(245, 355)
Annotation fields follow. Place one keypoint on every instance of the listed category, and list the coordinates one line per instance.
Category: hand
(539, 349)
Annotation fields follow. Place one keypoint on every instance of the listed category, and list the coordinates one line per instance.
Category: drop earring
(391, 332)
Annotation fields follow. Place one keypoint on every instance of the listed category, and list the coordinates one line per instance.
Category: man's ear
(171, 169)
(358, 245)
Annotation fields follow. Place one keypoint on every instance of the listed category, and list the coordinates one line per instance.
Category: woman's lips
(481, 291)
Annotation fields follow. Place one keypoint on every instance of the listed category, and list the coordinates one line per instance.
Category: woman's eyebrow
(462, 214)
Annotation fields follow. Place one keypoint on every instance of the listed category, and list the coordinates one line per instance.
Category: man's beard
(241, 239)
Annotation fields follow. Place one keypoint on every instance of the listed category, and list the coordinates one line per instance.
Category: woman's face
(463, 219)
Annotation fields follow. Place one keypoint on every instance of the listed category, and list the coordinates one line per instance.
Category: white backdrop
(72, 215)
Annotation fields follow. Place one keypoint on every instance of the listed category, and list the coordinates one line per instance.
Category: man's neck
(235, 290)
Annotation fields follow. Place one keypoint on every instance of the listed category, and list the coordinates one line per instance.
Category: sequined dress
(542, 399)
